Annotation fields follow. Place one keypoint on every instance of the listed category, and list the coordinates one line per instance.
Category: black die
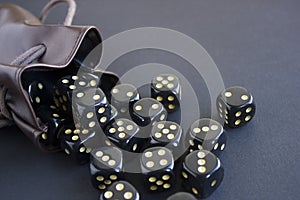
(202, 173)
(39, 94)
(166, 89)
(72, 141)
(157, 168)
(236, 106)
(106, 166)
(51, 119)
(125, 134)
(148, 111)
(123, 96)
(182, 196)
(92, 107)
(120, 190)
(207, 134)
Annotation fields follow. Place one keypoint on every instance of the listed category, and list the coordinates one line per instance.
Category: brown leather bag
(29, 46)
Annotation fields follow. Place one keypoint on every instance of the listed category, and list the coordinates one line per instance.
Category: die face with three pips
(120, 190)
(236, 106)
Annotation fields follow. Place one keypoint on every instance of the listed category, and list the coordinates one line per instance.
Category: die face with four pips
(202, 173)
(157, 164)
(166, 89)
(206, 134)
(123, 96)
(91, 107)
(120, 190)
(236, 106)
(106, 166)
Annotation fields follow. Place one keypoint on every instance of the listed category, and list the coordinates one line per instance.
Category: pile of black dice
(169, 159)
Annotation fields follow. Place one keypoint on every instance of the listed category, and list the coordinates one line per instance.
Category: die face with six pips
(236, 106)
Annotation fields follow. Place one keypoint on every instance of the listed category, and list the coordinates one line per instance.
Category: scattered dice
(157, 168)
(202, 173)
(207, 134)
(148, 111)
(120, 190)
(236, 106)
(106, 166)
(166, 89)
(123, 96)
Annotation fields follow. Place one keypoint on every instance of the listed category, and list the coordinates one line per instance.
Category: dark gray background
(255, 43)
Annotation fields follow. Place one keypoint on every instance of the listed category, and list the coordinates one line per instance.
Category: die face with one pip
(202, 173)
(236, 106)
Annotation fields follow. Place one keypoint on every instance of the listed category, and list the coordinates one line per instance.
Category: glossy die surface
(39, 94)
(207, 134)
(202, 173)
(123, 96)
(182, 196)
(236, 106)
(106, 166)
(125, 134)
(72, 142)
(92, 107)
(120, 190)
(166, 89)
(148, 111)
(157, 168)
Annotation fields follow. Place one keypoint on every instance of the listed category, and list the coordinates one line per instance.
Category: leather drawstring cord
(30, 56)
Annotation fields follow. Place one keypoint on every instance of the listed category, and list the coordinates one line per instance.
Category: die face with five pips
(236, 106)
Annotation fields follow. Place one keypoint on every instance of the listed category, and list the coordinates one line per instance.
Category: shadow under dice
(148, 111)
(207, 134)
(120, 190)
(236, 106)
(157, 168)
(202, 173)
(123, 96)
(91, 107)
(182, 196)
(106, 166)
(166, 89)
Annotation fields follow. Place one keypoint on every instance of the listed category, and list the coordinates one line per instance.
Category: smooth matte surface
(255, 44)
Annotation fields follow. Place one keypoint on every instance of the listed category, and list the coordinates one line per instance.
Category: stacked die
(95, 119)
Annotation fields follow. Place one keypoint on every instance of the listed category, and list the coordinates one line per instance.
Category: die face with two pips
(236, 106)
(106, 166)
(206, 134)
(39, 94)
(167, 90)
(157, 164)
(202, 173)
(120, 190)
